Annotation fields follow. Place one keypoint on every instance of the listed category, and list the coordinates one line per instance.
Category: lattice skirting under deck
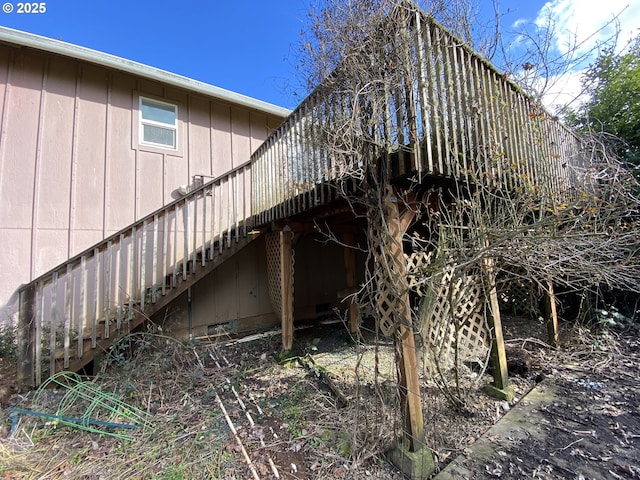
(272, 242)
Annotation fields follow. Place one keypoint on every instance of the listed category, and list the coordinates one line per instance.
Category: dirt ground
(330, 411)
(582, 421)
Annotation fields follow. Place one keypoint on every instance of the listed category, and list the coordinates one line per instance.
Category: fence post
(26, 335)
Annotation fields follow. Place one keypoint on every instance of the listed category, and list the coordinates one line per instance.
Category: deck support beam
(350, 270)
(286, 288)
(411, 455)
(500, 387)
(411, 399)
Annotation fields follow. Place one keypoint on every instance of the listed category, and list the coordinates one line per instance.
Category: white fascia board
(29, 40)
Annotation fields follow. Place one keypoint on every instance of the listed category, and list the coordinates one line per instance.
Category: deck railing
(445, 112)
(88, 299)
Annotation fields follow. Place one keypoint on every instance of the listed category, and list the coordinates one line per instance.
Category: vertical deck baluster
(221, 207)
(452, 110)
(490, 126)
(229, 210)
(236, 204)
(83, 304)
(166, 255)
(511, 124)
(119, 282)
(482, 165)
(522, 160)
(285, 179)
(443, 99)
(462, 107)
(186, 240)
(546, 153)
(518, 139)
(213, 222)
(143, 267)
(434, 100)
(96, 297)
(288, 167)
(38, 318)
(174, 276)
(245, 214)
(66, 315)
(295, 174)
(204, 227)
(194, 245)
(154, 259)
(423, 99)
(272, 189)
(107, 290)
(468, 97)
(53, 323)
(133, 277)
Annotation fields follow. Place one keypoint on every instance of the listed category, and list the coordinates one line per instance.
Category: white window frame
(142, 122)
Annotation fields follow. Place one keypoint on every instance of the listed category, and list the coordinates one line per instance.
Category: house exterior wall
(235, 296)
(72, 170)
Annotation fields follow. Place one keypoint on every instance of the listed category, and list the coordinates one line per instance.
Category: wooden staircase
(76, 310)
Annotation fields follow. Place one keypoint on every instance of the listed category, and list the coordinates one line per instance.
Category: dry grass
(299, 425)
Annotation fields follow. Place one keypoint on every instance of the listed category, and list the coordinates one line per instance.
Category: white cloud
(587, 23)
(582, 25)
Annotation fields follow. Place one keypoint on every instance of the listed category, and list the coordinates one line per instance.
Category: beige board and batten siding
(235, 296)
(72, 169)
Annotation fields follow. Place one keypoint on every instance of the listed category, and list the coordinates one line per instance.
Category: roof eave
(37, 42)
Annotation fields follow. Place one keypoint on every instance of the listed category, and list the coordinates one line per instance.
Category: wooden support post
(286, 288)
(551, 314)
(410, 397)
(500, 387)
(26, 336)
(350, 268)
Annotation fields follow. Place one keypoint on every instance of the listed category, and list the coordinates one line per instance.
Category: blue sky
(247, 46)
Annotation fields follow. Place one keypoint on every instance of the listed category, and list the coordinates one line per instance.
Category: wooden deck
(457, 118)
(454, 116)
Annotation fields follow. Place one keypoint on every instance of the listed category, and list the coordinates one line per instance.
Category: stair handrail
(128, 228)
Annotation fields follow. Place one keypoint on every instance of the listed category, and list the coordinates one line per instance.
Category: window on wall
(158, 123)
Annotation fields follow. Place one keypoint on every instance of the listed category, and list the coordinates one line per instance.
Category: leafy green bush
(8, 342)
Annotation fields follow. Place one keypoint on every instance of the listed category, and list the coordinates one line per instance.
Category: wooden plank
(174, 258)
(83, 304)
(143, 272)
(119, 298)
(194, 246)
(154, 259)
(133, 259)
(203, 250)
(107, 290)
(53, 320)
(68, 293)
(551, 314)
(185, 237)
(38, 321)
(166, 258)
